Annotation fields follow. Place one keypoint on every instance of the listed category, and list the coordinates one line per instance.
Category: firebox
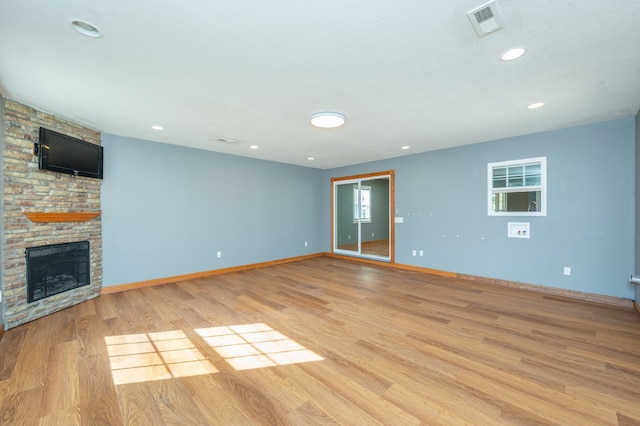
(56, 268)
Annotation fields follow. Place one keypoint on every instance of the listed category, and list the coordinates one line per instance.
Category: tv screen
(65, 154)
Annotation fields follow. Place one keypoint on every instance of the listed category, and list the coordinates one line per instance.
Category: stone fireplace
(42, 208)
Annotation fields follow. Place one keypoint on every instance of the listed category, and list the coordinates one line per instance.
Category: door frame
(392, 208)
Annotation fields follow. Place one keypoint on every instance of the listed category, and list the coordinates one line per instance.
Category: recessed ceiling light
(536, 105)
(310, 158)
(157, 127)
(254, 147)
(328, 120)
(512, 54)
(85, 28)
(406, 147)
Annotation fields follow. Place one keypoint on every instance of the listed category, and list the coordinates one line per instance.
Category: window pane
(533, 180)
(500, 183)
(533, 174)
(500, 177)
(533, 169)
(499, 172)
(498, 202)
(515, 176)
(516, 201)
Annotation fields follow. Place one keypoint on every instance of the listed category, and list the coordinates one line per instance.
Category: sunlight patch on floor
(257, 345)
(171, 354)
(155, 356)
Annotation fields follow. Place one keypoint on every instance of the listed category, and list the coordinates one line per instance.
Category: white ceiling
(404, 72)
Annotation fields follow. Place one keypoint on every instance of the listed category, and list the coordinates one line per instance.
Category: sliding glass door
(362, 209)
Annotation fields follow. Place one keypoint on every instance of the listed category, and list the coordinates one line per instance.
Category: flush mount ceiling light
(85, 28)
(512, 54)
(156, 127)
(328, 120)
(536, 105)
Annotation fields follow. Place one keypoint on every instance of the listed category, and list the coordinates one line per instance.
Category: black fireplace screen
(56, 268)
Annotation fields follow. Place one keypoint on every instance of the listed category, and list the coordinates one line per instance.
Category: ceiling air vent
(486, 19)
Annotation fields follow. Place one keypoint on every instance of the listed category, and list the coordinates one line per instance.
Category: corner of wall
(2, 302)
(637, 205)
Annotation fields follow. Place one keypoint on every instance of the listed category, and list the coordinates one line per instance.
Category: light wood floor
(376, 248)
(324, 341)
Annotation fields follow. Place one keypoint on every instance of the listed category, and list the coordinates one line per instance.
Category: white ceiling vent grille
(486, 19)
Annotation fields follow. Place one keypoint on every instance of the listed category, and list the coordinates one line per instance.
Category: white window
(518, 188)
(362, 204)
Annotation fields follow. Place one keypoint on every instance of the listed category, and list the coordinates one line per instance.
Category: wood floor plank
(175, 404)
(138, 405)
(215, 404)
(21, 407)
(310, 414)
(161, 300)
(252, 401)
(328, 401)
(98, 401)
(324, 341)
(551, 405)
(61, 374)
(105, 306)
(360, 396)
(67, 418)
(626, 406)
(31, 365)
(11, 351)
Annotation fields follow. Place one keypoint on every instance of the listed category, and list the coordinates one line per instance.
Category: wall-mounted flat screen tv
(65, 154)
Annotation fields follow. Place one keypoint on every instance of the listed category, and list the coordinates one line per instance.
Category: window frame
(542, 187)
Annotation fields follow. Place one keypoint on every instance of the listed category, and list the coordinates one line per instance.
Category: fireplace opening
(56, 268)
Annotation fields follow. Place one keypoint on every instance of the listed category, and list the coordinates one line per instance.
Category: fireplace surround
(40, 208)
(56, 268)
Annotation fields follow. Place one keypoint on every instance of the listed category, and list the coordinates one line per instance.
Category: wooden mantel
(44, 217)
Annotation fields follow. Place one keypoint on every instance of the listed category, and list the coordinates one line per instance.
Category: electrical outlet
(567, 270)
(219, 254)
(306, 243)
(421, 252)
(413, 252)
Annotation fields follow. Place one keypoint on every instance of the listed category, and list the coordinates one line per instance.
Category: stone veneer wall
(28, 189)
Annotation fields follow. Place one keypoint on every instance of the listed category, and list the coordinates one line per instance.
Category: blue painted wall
(442, 196)
(167, 210)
